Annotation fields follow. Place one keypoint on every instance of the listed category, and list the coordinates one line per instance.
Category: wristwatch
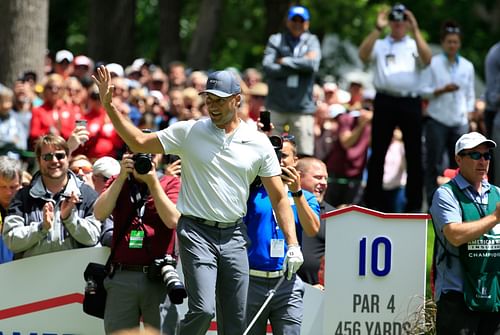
(297, 194)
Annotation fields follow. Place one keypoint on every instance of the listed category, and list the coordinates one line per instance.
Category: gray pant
(284, 311)
(300, 125)
(132, 295)
(215, 266)
(439, 140)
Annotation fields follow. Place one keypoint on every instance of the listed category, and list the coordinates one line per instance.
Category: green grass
(430, 247)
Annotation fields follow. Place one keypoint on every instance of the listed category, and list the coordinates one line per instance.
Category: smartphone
(265, 119)
(285, 173)
(82, 123)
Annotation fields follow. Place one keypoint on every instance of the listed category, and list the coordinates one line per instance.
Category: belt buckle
(145, 269)
(222, 225)
(211, 223)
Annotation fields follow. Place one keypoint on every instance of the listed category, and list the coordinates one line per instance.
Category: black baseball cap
(398, 13)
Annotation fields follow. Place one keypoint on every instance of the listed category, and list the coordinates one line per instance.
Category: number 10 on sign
(381, 248)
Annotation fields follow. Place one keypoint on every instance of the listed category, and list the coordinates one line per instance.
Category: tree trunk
(276, 15)
(170, 41)
(111, 31)
(23, 32)
(203, 37)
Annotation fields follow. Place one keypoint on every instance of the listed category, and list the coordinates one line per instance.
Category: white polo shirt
(450, 109)
(217, 169)
(396, 65)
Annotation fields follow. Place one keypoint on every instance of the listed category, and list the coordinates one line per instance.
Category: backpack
(480, 258)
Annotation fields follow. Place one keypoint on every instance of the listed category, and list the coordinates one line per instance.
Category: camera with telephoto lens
(164, 268)
(143, 163)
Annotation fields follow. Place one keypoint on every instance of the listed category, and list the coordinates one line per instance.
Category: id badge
(292, 81)
(136, 239)
(390, 59)
(277, 248)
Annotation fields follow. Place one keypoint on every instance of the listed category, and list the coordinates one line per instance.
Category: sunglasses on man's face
(85, 169)
(476, 155)
(50, 156)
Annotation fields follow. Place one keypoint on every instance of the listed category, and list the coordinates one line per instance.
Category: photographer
(397, 60)
(145, 218)
(266, 252)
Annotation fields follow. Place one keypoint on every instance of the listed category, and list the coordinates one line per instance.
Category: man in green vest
(465, 214)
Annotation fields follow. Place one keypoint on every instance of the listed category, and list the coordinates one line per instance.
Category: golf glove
(293, 260)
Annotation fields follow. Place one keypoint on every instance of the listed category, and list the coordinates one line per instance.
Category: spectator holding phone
(266, 252)
(449, 87)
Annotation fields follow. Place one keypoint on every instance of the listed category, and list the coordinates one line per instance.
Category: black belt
(212, 223)
(129, 267)
(398, 94)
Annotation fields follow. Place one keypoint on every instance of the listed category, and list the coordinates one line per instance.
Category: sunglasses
(288, 138)
(452, 30)
(50, 156)
(85, 169)
(476, 155)
(52, 88)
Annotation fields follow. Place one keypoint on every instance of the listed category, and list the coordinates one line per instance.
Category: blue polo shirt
(262, 227)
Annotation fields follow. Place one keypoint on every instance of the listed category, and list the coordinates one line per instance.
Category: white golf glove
(293, 260)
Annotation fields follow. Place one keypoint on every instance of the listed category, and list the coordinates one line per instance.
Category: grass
(430, 307)
(430, 247)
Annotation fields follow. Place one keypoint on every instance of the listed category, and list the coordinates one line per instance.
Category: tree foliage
(243, 26)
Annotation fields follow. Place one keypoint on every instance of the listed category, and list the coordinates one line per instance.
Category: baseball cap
(83, 60)
(472, 140)
(62, 55)
(397, 13)
(298, 11)
(116, 69)
(106, 166)
(335, 110)
(343, 96)
(330, 87)
(222, 84)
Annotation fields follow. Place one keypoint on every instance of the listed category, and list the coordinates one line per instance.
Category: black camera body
(164, 269)
(277, 143)
(143, 163)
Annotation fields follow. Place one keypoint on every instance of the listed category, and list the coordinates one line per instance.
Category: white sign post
(375, 272)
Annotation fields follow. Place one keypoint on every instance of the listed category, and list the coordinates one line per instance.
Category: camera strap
(138, 198)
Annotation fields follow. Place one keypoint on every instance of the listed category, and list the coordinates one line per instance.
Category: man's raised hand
(103, 82)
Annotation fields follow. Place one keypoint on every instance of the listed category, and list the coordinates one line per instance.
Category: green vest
(480, 258)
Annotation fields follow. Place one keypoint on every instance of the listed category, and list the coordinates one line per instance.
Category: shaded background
(214, 34)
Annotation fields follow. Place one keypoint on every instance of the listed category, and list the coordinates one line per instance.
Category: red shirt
(58, 119)
(161, 239)
(103, 139)
(350, 162)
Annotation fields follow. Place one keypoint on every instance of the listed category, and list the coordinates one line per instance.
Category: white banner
(42, 295)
